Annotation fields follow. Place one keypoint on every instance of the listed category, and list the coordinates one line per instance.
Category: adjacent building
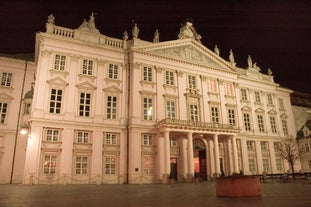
(108, 110)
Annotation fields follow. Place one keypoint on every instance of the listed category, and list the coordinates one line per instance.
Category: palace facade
(108, 110)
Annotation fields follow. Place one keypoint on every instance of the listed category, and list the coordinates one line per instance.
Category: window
(81, 165)
(173, 142)
(82, 136)
(215, 114)
(247, 123)
(170, 109)
(257, 97)
(252, 164)
(284, 126)
(279, 165)
(110, 166)
(56, 101)
(113, 71)
(148, 74)
(250, 145)
(148, 108)
(3, 111)
(273, 124)
(269, 99)
(192, 82)
(110, 138)
(231, 116)
(6, 79)
(52, 135)
(111, 107)
(147, 139)
(281, 103)
(169, 77)
(87, 67)
(264, 146)
(213, 86)
(307, 147)
(228, 89)
(243, 94)
(260, 123)
(59, 63)
(148, 165)
(277, 146)
(194, 112)
(85, 104)
(49, 164)
(27, 108)
(266, 164)
(309, 164)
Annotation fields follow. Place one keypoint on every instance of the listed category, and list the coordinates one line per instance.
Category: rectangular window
(173, 142)
(266, 164)
(231, 116)
(111, 107)
(113, 72)
(260, 123)
(110, 166)
(147, 139)
(148, 165)
(170, 109)
(194, 112)
(250, 145)
(52, 135)
(148, 108)
(281, 103)
(264, 146)
(213, 86)
(252, 164)
(6, 79)
(257, 97)
(243, 94)
(87, 67)
(284, 126)
(82, 136)
(111, 138)
(3, 111)
(273, 124)
(148, 74)
(269, 99)
(307, 147)
(81, 165)
(228, 89)
(85, 104)
(192, 82)
(56, 101)
(309, 164)
(59, 63)
(215, 114)
(49, 164)
(277, 146)
(169, 78)
(247, 123)
(279, 165)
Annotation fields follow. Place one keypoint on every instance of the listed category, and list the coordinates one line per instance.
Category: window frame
(6, 79)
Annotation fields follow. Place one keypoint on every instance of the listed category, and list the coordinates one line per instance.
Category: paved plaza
(145, 195)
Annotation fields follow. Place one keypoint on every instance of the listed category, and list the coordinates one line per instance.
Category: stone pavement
(150, 195)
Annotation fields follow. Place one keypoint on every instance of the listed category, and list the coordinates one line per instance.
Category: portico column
(272, 158)
(230, 158)
(167, 153)
(211, 158)
(190, 158)
(235, 155)
(216, 148)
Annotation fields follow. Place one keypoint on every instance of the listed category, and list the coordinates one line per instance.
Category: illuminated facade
(109, 110)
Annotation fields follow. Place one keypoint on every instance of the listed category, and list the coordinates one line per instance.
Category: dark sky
(275, 33)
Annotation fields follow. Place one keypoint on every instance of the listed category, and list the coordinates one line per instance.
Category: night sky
(275, 33)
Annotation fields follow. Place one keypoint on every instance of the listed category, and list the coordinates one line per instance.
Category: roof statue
(89, 25)
(135, 31)
(51, 19)
(231, 57)
(256, 67)
(216, 50)
(125, 36)
(187, 30)
(156, 37)
(269, 71)
(249, 62)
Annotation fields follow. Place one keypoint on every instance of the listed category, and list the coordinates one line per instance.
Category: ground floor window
(49, 164)
(279, 165)
(252, 164)
(110, 165)
(266, 164)
(148, 164)
(81, 165)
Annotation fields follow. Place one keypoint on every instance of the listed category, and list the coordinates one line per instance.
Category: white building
(107, 110)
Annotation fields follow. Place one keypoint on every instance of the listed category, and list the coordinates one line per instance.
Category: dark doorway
(203, 167)
(199, 159)
(173, 174)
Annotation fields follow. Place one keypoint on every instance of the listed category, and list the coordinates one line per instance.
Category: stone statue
(216, 50)
(156, 37)
(125, 36)
(89, 25)
(84, 25)
(231, 56)
(135, 31)
(269, 71)
(256, 67)
(249, 61)
(187, 30)
(51, 19)
(91, 21)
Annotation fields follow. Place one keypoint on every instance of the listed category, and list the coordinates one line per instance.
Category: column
(229, 157)
(211, 157)
(161, 158)
(190, 158)
(259, 157)
(167, 157)
(235, 155)
(184, 157)
(272, 157)
(216, 152)
(244, 153)
(97, 156)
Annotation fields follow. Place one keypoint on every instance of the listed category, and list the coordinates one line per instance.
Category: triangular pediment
(112, 89)
(86, 86)
(57, 82)
(187, 50)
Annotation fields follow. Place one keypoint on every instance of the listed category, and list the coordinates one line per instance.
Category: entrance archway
(199, 159)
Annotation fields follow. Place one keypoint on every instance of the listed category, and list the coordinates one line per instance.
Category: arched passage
(199, 159)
